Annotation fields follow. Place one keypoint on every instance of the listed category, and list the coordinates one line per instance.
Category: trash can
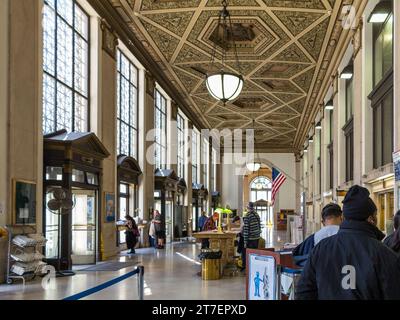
(289, 280)
(210, 264)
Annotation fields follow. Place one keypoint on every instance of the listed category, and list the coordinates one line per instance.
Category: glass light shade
(347, 73)
(224, 86)
(380, 12)
(329, 105)
(253, 166)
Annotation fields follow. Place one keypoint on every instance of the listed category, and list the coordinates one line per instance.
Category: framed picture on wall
(24, 202)
(109, 207)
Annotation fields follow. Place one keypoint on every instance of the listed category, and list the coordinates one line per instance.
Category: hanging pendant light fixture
(255, 165)
(224, 85)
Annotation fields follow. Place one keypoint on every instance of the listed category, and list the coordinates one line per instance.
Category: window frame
(194, 158)
(180, 124)
(162, 145)
(120, 122)
(55, 77)
(376, 33)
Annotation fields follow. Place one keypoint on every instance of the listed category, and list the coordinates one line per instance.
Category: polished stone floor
(170, 274)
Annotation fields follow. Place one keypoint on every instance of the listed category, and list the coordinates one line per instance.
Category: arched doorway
(260, 193)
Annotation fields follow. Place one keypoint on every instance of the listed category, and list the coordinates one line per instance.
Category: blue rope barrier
(103, 286)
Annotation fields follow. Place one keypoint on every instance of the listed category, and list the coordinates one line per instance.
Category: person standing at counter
(202, 220)
(251, 231)
(209, 225)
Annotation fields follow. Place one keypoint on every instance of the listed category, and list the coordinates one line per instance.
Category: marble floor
(170, 274)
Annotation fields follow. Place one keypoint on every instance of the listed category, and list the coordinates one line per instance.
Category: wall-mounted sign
(396, 164)
(109, 207)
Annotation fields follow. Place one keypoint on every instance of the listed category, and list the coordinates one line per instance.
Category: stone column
(146, 152)
(396, 85)
(4, 59)
(24, 101)
(298, 183)
(107, 130)
(189, 192)
(336, 132)
(358, 102)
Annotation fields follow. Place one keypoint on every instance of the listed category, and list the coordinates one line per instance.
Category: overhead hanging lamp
(224, 85)
(255, 165)
(380, 12)
(329, 105)
(347, 72)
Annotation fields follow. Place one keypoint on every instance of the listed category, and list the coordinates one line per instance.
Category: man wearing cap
(251, 231)
(353, 264)
(332, 217)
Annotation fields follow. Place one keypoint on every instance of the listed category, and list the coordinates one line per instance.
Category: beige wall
(24, 110)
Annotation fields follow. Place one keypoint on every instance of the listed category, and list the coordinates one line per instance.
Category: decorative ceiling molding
(284, 46)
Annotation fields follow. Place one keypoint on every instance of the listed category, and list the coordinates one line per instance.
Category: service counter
(224, 241)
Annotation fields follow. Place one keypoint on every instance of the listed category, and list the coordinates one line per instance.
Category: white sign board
(262, 277)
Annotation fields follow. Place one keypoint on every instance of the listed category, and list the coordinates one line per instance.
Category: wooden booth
(180, 217)
(72, 197)
(199, 202)
(128, 173)
(165, 189)
(215, 200)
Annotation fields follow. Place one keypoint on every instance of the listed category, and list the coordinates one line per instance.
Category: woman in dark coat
(393, 241)
(160, 229)
(132, 234)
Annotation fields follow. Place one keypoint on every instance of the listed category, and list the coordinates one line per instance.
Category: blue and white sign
(262, 277)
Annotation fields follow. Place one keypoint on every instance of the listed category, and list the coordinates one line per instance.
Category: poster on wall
(24, 196)
(261, 277)
(110, 207)
(396, 169)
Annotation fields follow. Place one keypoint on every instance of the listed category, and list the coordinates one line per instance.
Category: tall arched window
(260, 194)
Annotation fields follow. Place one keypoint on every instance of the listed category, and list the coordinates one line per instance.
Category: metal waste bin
(289, 280)
(210, 264)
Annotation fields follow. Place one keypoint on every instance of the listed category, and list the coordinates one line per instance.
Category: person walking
(132, 234)
(393, 240)
(152, 234)
(332, 217)
(353, 264)
(160, 229)
(251, 231)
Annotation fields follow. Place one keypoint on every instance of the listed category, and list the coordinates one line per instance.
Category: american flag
(278, 178)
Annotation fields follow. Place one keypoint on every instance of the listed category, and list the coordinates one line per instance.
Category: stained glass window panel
(65, 66)
(127, 106)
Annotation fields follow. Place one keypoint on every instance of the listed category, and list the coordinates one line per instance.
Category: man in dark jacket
(331, 219)
(353, 264)
(251, 231)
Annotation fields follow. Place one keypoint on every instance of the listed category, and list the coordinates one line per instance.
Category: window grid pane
(126, 106)
(66, 67)
(181, 146)
(160, 130)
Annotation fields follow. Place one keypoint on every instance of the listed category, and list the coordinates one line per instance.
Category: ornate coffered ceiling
(284, 48)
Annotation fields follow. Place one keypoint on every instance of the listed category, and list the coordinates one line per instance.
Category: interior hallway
(170, 274)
